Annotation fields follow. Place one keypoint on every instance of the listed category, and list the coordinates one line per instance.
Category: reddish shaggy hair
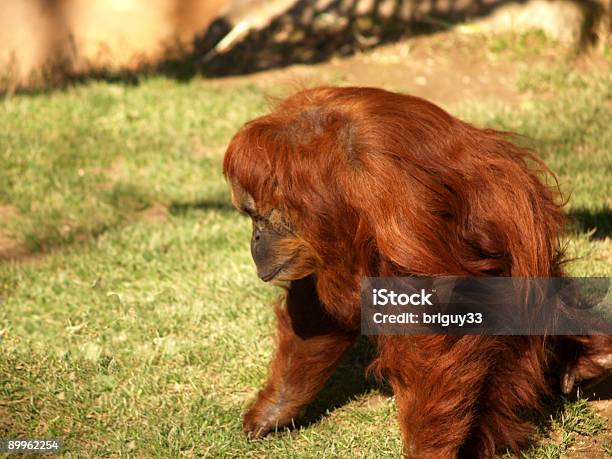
(383, 184)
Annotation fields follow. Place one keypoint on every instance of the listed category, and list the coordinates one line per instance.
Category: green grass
(142, 336)
(519, 44)
(79, 162)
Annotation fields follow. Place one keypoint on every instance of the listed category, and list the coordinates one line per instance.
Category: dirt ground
(446, 69)
(590, 447)
(585, 447)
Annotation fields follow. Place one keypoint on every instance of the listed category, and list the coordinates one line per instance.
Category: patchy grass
(144, 332)
(79, 162)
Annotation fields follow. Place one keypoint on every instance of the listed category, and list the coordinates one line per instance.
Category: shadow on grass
(586, 220)
(39, 244)
(182, 208)
(129, 202)
(348, 382)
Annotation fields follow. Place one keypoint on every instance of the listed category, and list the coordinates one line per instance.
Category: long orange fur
(383, 184)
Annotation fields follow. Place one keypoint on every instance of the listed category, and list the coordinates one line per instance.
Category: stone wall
(43, 36)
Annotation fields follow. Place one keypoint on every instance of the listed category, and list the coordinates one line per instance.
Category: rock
(561, 20)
